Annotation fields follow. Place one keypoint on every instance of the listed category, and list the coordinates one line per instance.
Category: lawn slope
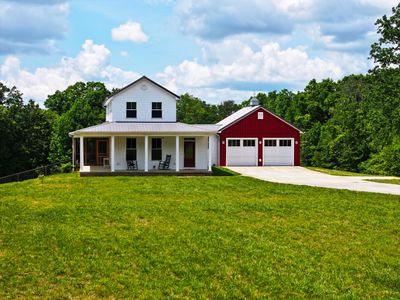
(198, 237)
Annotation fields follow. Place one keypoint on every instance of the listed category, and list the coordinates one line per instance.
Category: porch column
(81, 158)
(177, 153)
(73, 151)
(146, 153)
(112, 160)
(209, 154)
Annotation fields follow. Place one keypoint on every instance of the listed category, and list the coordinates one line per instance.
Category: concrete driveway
(303, 176)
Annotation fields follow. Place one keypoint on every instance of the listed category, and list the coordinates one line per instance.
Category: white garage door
(278, 152)
(241, 152)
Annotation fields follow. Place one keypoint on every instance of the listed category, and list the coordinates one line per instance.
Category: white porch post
(209, 154)
(73, 151)
(146, 153)
(177, 153)
(81, 158)
(112, 160)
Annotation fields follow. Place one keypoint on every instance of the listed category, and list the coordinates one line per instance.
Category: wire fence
(33, 173)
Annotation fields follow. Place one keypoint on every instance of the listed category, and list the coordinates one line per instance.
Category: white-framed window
(131, 109)
(130, 148)
(249, 143)
(285, 143)
(270, 143)
(156, 110)
(233, 143)
(156, 148)
(260, 115)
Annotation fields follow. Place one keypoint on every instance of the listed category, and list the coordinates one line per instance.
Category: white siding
(116, 109)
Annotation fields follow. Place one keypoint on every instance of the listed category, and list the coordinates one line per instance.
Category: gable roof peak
(108, 100)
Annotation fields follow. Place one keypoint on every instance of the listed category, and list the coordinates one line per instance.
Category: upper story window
(156, 110)
(131, 109)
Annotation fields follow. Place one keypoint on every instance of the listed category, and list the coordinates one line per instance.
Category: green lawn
(195, 237)
(390, 181)
(337, 172)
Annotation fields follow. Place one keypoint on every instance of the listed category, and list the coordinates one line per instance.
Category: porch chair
(164, 164)
(132, 164)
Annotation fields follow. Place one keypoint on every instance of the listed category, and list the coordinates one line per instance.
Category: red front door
(189, 157)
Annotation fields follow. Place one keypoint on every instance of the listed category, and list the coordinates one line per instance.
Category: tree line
(351, 124)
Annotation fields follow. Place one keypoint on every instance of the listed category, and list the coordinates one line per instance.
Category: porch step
(150, 173)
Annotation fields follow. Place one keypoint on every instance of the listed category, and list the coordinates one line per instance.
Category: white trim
(209, 154)
(112, 140)
(241, 145)
(146, 153)
(277, 145)
(177, 153)
(81, 153)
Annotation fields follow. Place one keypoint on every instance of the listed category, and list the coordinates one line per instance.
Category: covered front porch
(99, 155)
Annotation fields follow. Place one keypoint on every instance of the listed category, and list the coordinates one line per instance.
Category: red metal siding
(252, 127)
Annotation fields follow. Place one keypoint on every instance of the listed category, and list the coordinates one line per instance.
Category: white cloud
(92, 63)
(124, 54)
(232, 65)
(130, 31)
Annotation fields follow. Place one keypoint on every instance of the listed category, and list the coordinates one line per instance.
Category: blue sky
(216, 50)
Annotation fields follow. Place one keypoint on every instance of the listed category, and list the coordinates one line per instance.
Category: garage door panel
(241, 152)
(278, 152)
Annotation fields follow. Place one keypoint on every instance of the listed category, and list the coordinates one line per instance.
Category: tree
(386, 52)
(79, 106)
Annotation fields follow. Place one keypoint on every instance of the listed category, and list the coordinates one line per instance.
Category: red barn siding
(251, 127)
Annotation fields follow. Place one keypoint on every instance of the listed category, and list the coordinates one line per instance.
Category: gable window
(131, 109)
(233, 143)
(156, 110)
(249, 143)
(131, 149)
(270, 143)
(285, 143)
(156, 149)
(260, 115)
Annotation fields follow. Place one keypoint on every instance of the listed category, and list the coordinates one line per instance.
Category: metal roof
(243, 112)
(237, 115)
(147, 127)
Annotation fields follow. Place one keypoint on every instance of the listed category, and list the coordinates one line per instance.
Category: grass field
(195, 237)
(390, 181)
(337, 172)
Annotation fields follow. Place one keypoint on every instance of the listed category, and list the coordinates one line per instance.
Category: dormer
(143, 100)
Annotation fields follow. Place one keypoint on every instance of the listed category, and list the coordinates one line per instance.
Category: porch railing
(33, 173)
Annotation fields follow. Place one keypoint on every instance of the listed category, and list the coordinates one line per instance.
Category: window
(131, 109)
(233, 143)
(156, 110)
(270, 143)
(285, 143)
(156, 150)
(249, 143)
(130, 149)
(260, 115)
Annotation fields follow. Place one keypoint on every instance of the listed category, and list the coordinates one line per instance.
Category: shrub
(221, 171)
(66, 168)
(385, 162)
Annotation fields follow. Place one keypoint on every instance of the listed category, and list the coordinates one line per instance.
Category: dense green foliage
(25, 131)
(79, 106)
(195, 238)
(193, 110)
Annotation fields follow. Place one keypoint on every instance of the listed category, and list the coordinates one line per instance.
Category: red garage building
(254, 136)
